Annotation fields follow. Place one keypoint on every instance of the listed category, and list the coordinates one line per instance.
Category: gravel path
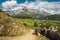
(28, 36)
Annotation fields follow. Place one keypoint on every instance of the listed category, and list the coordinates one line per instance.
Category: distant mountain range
(29, 7)
(27, 10)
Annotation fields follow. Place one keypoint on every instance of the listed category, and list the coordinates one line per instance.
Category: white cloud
(53, 7)
(9, 4)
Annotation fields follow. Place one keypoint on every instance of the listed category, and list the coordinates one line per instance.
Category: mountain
(29, 7)
(29, 10)
(28, 13)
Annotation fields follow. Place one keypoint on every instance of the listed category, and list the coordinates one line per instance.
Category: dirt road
(28, 36)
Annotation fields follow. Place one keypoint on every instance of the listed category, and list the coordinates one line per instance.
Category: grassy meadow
(46, 23)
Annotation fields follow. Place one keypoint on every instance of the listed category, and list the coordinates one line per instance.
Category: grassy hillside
(46, 23)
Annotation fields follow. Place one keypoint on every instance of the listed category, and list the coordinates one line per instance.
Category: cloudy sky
(47, 5)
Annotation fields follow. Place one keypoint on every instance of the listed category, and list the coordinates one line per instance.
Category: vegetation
(42, 23)
(45, 23)
(35, 24)
(14, 27)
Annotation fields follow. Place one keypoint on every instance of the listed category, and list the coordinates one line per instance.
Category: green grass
(30, 22)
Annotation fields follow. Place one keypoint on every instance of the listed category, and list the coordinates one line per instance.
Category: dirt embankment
(8, 26)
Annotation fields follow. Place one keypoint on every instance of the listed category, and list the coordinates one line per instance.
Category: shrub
(24, 24)
(35, 24)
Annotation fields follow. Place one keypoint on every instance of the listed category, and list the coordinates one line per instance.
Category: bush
(24, 24)
(35, 24)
